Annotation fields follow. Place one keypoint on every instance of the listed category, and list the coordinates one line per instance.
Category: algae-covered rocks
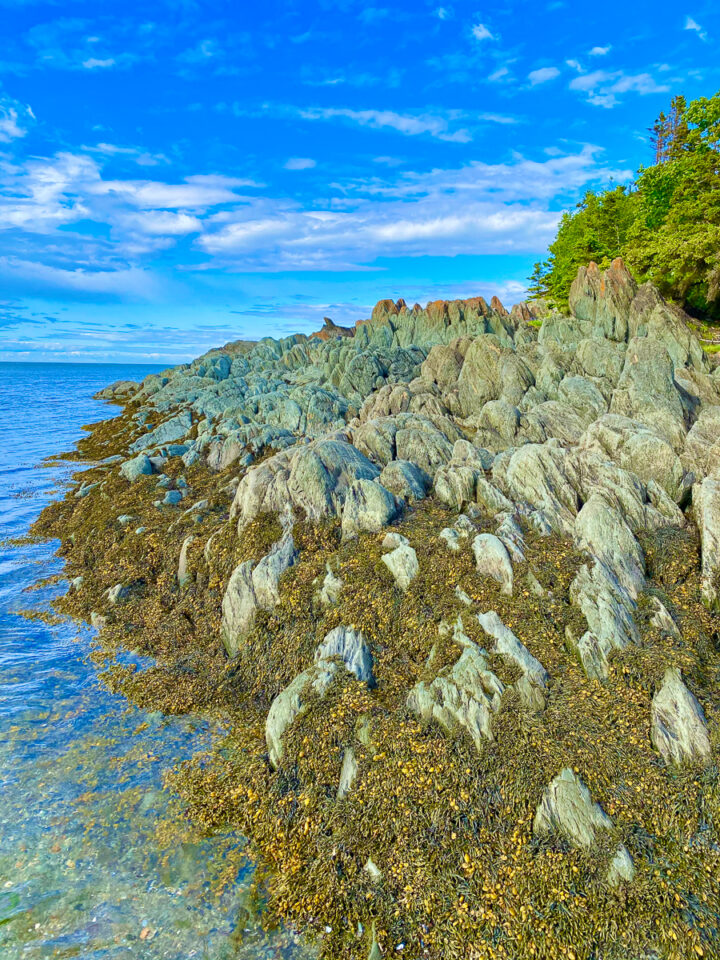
(448, 581)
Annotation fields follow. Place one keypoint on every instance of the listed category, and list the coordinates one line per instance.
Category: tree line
(665, 224)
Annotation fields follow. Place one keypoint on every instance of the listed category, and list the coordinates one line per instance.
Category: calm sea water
(96, 861)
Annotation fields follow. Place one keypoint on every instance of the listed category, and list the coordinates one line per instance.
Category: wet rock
(679, 731)
(403, 564)
(493, 560)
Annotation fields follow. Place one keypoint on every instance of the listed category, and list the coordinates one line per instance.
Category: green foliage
(666, 225)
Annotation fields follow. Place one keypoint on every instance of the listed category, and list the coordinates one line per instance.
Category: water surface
(96, 861)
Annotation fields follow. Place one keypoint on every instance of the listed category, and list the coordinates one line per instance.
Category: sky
(178, 174)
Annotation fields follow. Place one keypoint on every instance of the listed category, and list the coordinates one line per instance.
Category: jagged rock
(491, 498)
(493, 560)
(368, 508)
(662, 620)
(601, 530)
(348, 773)
(117, 594)
(405, 480)
(678, 732)
(331, 588)
(635, 447)
(603, 299)
(706, 504)
(170, 430)
(251, 589)
(646, 391)
(536, 475)
(137, 467)
(455, 484)
(350, 646)
(314, 479)
(394, 539)
(465, 695)
(568, 809)
(509, 647)
(511, 535)
(403, 564)
(702, 445)
(183, 575)
(291, 702)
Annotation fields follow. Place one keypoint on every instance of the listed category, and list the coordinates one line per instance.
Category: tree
(666, 224)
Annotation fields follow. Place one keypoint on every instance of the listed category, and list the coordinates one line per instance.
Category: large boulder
(368, 508)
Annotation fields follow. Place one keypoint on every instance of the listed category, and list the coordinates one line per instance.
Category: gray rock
(347, 773)
(452, 538)
(368, 508)
(601, 530)
(678, 732)
(510, 648)
(183, 574)
(465, 695)
(405, 480)
(331, 588)
(137, 467)
(394, 539)
(706, 505)
(118, 593)
(493, 560)
(568, 809)
(291, 702)
(403, 564)
(350, 646)
(455, 484)
(170, 430)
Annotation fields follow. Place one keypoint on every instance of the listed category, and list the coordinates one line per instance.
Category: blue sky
(177, 174)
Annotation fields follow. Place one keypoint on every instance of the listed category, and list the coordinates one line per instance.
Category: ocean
(96, 860)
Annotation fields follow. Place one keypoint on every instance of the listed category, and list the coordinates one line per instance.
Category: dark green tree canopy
(666, 224)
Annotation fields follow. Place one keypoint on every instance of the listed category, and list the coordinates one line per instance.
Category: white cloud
(574, 65)
(443, 13)
(475, 209)
(603, 86)
(542, 75)
(481, 32)
(409, 124)
(599, 51)
(92, 63)
(691, 24)
(124, 282)
(300, 163)
(501, 74)
(13, 119)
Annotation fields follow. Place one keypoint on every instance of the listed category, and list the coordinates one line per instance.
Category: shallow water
(96, 861)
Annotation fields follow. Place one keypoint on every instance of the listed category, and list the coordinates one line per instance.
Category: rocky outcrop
(678, 731)
(567, 809)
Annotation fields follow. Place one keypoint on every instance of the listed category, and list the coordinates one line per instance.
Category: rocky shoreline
(450, 578)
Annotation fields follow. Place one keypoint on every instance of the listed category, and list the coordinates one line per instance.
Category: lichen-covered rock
(512, 649)
(405, 480)
(679, 731)
(183, 574)
(331, 587)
